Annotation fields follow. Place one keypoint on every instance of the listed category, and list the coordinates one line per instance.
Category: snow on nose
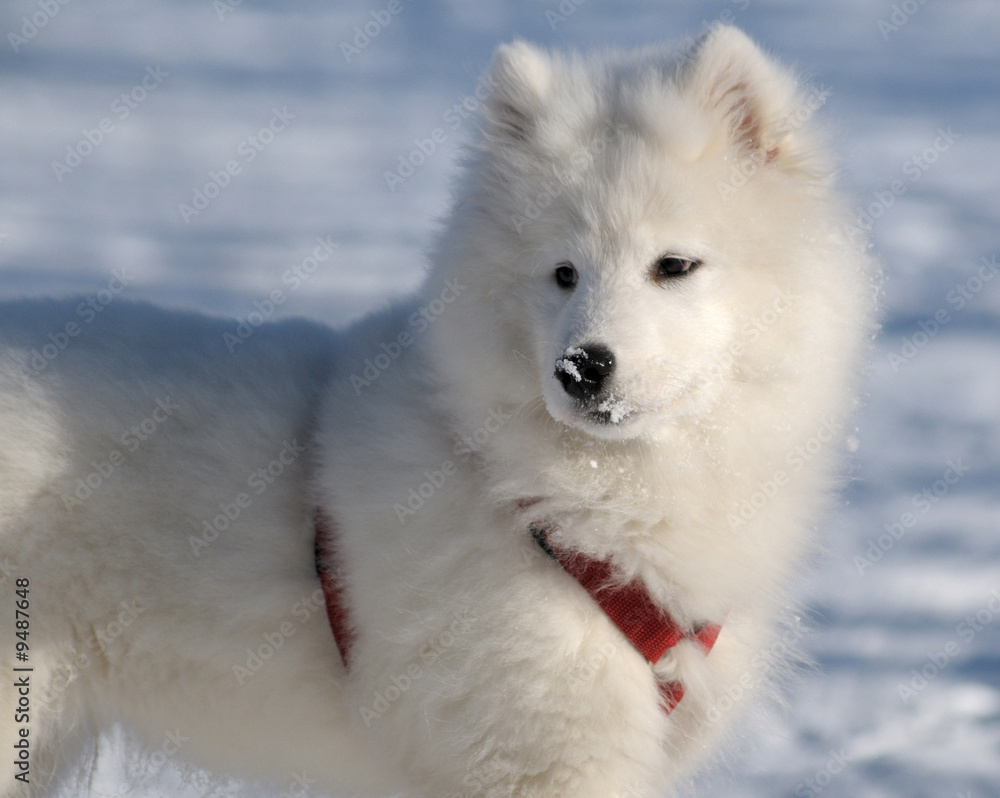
(584, 371)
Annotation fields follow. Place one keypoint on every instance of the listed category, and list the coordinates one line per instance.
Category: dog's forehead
(623, 121)
(619, 179)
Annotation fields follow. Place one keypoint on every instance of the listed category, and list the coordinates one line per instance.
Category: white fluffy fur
(498, 675)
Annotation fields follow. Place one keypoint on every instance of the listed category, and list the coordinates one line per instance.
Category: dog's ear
(520, 82)
(729, 76)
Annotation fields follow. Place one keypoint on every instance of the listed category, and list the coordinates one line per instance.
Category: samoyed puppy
(524, 535)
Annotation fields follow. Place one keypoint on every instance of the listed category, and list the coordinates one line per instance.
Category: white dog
(553, 500)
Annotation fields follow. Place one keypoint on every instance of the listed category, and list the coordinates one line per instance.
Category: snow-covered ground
(92, 183)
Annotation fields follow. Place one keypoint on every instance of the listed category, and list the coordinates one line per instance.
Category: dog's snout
(584, 370)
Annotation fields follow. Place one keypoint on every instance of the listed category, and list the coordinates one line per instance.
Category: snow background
(891, 92)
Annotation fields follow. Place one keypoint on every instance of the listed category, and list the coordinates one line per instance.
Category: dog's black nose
(584, 370)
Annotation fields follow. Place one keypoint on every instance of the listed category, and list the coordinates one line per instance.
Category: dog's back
(153, 510)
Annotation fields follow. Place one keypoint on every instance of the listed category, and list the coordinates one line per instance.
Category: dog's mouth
(610, 417)
(611, 411)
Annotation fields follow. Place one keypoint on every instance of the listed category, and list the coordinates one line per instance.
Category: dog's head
(634, 230)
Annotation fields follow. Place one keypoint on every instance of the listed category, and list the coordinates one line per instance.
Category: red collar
(630, 607)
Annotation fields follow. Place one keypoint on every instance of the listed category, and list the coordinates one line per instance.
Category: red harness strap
(331, 578)
(646, 625)
(630, 607)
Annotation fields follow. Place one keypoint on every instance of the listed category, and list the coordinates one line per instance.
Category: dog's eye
(566, 275)
(674, 266)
